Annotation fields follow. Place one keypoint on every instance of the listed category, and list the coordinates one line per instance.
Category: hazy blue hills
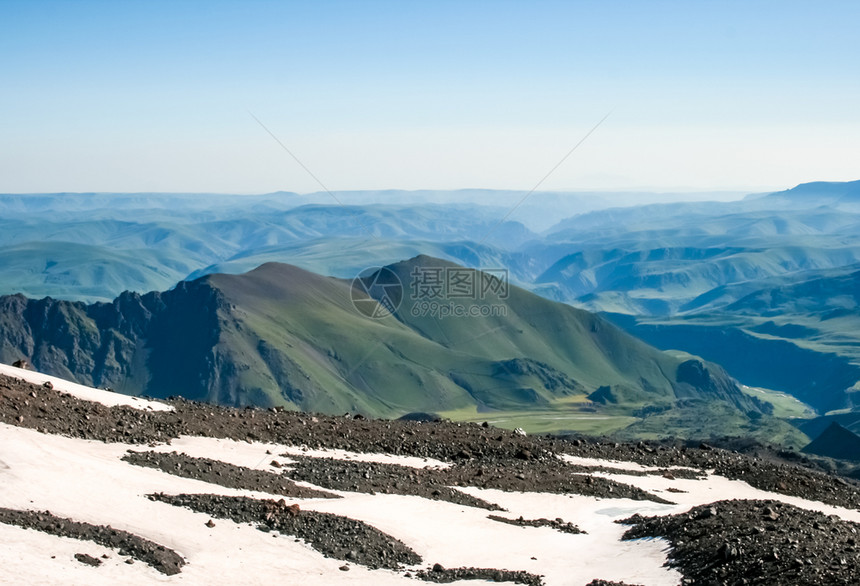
(41, 269)
(678, 279)
(346, 257)
(137, 251)
(765, 286)
(829, 294)
(821, 193)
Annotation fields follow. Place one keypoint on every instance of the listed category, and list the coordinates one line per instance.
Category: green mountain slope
(282, 336)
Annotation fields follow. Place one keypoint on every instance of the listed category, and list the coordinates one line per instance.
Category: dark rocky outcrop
(836, 442)
(756, 542)
(161, 558)
(332, 535)
(158, 344)
(442, 575)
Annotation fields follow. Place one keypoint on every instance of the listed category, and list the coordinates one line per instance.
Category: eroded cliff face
(157, 344)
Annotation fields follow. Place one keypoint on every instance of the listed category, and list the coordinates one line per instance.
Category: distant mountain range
(822, 193)
(766, 286)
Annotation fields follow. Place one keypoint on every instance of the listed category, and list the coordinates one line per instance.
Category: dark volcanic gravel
(756, 542)
(332, 535)
(764, 468)
(159, 557)
(789, 480)
(371, 477)
(32, 406)
(484, 456)
(445, 575)
(539, 475)
(557, 524)
(223, 474)
(87, 559)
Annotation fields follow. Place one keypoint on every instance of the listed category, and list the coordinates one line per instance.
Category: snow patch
(617, 465)
(87, 481)
(82, 392)
(260, 455)
(715, 488)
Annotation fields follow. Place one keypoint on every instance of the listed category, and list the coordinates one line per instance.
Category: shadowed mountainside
(282, 336)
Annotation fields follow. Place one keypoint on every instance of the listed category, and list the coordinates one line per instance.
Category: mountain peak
(423, 260)
(822, 192)
(282, 336)
(836, 442)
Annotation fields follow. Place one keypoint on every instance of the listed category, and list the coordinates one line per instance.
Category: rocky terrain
(787, 526)
(442, 575)
(222, 474)
(757, 542)
(333, 535)
(558, 523)
(133, 547)
(478, 451)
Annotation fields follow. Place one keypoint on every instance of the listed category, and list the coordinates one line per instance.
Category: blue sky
(157, 96)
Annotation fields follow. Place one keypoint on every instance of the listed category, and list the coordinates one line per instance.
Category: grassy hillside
(282, 336)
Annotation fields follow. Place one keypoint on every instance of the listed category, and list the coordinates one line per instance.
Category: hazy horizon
(194, 97)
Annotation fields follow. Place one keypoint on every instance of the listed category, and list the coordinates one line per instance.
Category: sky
(183, 96)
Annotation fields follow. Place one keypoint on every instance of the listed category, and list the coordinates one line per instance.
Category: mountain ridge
(283, 336)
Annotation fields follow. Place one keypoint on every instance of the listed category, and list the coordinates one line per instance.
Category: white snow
(715, 487)
(697, 492)
(108, 398)
(259, 455)
(54, 558)
(615, 464)
(463, 536)
(87, 481)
